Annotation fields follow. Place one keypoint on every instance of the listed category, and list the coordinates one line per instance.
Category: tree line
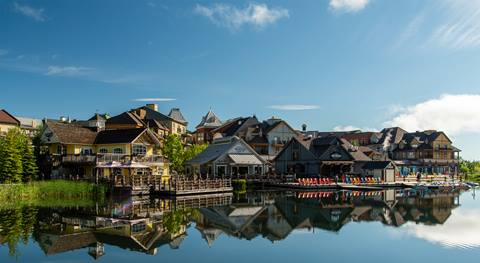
(17, 159)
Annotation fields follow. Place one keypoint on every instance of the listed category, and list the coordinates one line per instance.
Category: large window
(118, 151)
(139, 149)
(103, 150)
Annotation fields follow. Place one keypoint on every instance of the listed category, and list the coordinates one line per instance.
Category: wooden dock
(185, 186)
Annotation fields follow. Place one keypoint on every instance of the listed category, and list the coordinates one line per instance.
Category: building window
(86, 151)
(118, 151)
(103, 150)
(139, 149)
(61, 149)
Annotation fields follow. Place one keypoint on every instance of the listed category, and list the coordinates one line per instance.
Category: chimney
(141, 113)
(153, 106)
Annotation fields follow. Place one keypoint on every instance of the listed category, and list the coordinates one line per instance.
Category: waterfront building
(7, 122)
(229, 156)
(269, 137)
(429, 152)
(203, 131)
(124, 158)
(322, 156)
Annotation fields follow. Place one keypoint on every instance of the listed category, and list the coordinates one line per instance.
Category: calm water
(391, 226)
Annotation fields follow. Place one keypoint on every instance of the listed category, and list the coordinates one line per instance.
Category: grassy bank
(50, 194)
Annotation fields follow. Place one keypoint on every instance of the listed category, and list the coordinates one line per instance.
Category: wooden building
(127, 158)
(203, 131)
(323, 156)
(229, 156)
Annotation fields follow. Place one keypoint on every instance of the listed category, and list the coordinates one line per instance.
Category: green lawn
(50, 193)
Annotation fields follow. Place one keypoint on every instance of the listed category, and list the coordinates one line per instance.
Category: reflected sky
(342, 226)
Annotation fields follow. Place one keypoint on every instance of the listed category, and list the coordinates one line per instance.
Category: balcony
(79, 159)
(122, 158)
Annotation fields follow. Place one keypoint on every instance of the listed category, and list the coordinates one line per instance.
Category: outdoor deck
(184, 186)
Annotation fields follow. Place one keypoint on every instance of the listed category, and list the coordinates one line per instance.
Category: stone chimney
(153, 106)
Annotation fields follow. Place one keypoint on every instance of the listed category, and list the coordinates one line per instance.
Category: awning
(245, 159)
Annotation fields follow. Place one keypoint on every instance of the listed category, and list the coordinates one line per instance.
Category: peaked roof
(126, 118)
(324, 147)
(391, 135)
(176, 114)
(151, 114)
(210, 120)
(8, 118)
(118, 136)
(98, 117)
(218, 148)
(231, 127)
(71, 133)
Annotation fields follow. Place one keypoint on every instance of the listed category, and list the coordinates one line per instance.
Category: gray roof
(210, 120)
(218, 148)
(177, 115)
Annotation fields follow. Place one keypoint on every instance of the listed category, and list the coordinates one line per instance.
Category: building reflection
(145, 225)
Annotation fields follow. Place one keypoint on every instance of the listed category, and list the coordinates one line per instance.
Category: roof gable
(7, 118)
(68, 133)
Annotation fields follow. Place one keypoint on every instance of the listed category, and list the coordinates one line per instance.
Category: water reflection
(144, 225)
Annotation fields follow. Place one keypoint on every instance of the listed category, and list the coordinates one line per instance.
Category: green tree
(173, 150)
(11, 170)
(194, 150)
(29, 162)
(178, 154)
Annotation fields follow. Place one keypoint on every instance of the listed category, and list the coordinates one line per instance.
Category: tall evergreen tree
(29, 163)
(11, 170)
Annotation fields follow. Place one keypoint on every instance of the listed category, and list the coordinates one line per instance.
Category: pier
(188, 186)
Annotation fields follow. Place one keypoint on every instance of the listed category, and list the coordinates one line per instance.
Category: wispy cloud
(454, 114)
(348, 6)
(410, 31)
(68, 71)
(233, 18)
(293, 107)
(461, 27)
(37, 14)
(155, 99)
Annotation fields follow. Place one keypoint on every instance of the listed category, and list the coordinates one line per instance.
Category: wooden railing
(192, 185)
(79, 159)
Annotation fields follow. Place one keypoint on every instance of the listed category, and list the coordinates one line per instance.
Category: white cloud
(36, 14)
(293, 107)
(348, 6)
(68, 71)
(233, 18)
(352, 128)
(154, 99)
(453, 114)
(460, 231)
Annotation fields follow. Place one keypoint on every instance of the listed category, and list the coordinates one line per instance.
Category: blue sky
(333, 64)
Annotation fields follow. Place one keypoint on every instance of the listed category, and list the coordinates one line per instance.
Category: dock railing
(193, 185)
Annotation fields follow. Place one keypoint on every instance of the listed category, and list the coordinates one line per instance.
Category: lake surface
(383, 226)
